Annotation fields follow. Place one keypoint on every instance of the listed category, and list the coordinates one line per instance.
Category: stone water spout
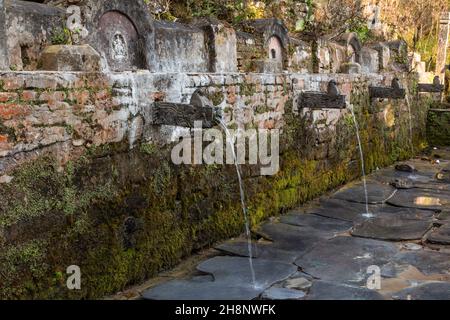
(395, 91)
(332, 99)
(200, 108)
(435, 87)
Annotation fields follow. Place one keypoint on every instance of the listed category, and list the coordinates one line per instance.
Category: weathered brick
(12, 83)
(8, 96)
(82, 97)
(102, 95)
(52, 96)
(40, 82)
(10, 110)
(29, 95)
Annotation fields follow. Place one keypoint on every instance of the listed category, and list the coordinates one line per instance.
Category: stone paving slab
(293, 238)
(326, 290)
(440, 235)
(426, 261)
(259, 251)
(317, 222)
(191, 290)
(355, 212)
(283, 294)
(346, 259)
(444, 215)
(392, 228)
(237, 270)
(425, 291)
(232, 280)
(377, 193)
(324, 254)
(421, 199)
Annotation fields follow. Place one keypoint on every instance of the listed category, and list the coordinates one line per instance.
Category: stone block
(384, 55)
(369, 61)
(269, 66)
(301, 58)
(30, 27)
(351, 68)
(70, 58)
(222, 43)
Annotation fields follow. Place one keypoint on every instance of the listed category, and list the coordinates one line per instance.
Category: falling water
(408, 103)
(244, 208)
(367, 214)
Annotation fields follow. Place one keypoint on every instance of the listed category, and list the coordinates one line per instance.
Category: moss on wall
(438, 127)
(124, 215)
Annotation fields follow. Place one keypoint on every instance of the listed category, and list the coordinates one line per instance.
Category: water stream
(408, 103)
(244, 207)
(367, 214)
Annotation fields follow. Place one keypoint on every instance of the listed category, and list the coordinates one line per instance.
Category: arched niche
(119, 42)
(353, 45)
(275, 49)
(122, 31)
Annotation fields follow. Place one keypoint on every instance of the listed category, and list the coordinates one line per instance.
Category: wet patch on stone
(346, 259)
(326, 290)
(425, 291)
(391, 228)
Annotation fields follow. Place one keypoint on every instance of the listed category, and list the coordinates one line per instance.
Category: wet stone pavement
(330, 248)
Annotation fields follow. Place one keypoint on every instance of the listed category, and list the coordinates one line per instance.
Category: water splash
(244, 207)
(367, 214)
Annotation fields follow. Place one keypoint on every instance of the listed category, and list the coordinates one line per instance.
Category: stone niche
(399, 55)
(122, 32)
(300, 59)
(353, 47)
(221, 43)
(30, 28)
(384, 55)
(180, 48)
(331, 56)
(370, 62)
(262, 46)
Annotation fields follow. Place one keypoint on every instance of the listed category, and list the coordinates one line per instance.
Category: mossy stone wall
(123, 215)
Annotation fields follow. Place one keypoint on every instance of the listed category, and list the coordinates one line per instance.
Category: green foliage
(362, 30)
(61, 36)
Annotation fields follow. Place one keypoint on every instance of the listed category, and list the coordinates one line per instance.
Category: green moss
(438, 127)
(124, 215)
(148, 148)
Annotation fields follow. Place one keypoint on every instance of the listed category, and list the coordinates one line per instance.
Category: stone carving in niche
(119, 43)
(119, 48)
